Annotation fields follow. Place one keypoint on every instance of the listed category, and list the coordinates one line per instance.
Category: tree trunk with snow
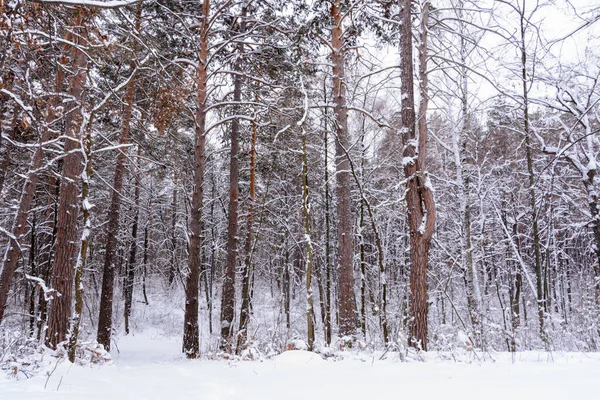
(114, 213)
(228, 294)
(191, 334)
(348, 322)
(541, 303)
(85, 241)
(67, 240)
(419, 195)
(245, 309)
(309, 247)
(131, 265)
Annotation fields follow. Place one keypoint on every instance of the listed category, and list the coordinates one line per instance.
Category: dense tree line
(367, 173)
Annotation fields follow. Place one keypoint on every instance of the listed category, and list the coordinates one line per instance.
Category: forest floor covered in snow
(150, 366)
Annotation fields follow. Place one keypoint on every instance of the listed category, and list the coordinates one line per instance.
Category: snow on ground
(150, 367)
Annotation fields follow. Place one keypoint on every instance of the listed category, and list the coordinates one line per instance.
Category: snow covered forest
(251, 177)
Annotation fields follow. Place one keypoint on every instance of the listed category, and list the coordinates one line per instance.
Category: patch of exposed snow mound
(297, 358)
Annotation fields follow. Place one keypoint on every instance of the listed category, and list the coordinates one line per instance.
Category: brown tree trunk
(114, 213)
(327, 327)
(145, 257)
(130, 276)
(541, 303)
(309, 248)
(247, 271)
(85, 240)
(228, 294)
(459, 142)
(191, 335)
(419, 196)
(363, 271)
(348, 322)
(285, 286)
(67, 240)
(210, 275)
(173, 269)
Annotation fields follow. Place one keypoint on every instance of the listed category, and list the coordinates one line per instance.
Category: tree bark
(114, 213)
(228, 294)
(419, 196)
(131, 267)
(327, 284)
(247, 270)
(145, 256)
(309, 248)
(541, 303)
(67, 240)
(348, 322)
(85, 240)
(459, 146)
(173, 269)
(191, 334)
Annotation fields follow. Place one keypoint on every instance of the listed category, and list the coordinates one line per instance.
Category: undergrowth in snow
(149, 365)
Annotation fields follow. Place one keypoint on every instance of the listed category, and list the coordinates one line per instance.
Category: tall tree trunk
(247, 269)
(285, 286)
(459, 146)
(114, 213)
(33, 272)
(67, 240)
(145, 259)
(363, 271)
(327, 327)
(310, 318)
(85, 240)
(173, 269)
(131, 267)
(209, 277)
(228, 294)
(531, 174)
(348, 322)
(419, 196)
(191, 334)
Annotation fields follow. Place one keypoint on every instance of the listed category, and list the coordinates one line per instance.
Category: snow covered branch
(91, 3)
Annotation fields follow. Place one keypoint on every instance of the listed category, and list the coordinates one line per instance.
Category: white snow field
(151, 367)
